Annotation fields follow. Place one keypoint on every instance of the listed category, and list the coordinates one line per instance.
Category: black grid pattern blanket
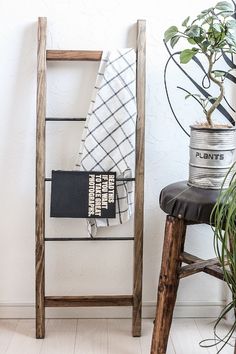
(108, 141)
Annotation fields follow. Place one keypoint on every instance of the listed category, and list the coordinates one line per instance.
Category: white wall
(86, 268)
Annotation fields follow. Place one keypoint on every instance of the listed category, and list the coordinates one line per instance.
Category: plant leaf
(226, 14)
(205, 12)
(231, 26)
(193, 31)
(187, 54)
(191, 41)
(230, 39)
(187, 96)
(205, 45)
(231, 23)
(232, 51)
(185, 22)
(170, 32)
(217, 27)
(224, 6)
(219, 73)
(208, 20)
(174, 40)
(192, 95)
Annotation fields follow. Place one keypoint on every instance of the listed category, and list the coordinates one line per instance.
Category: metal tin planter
(212, 153)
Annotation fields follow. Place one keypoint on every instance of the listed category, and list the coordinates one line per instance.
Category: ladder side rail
(139, 179)
(40, 177)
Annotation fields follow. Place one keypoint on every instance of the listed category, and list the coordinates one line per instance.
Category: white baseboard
(182, 310)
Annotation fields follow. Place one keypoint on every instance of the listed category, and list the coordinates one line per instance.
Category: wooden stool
(184, 205)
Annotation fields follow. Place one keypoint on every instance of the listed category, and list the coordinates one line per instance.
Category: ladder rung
(91, 55)
(84, 301)
(118, 179)
(89, 239)
(49, 119)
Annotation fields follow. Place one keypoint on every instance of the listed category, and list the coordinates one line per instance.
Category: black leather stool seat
(190, 203)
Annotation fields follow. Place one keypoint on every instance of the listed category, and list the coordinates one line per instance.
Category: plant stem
(222, 91)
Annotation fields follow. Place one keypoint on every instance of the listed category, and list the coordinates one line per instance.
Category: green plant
(211, 34)
(224, 220)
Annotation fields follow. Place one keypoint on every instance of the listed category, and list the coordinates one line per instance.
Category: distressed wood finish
(197, 267)
(171, 272)
(168, 283)
(40, 175)
(139, 178)
(89, 55)
(213, 270)
(135, 299)
(88, 301)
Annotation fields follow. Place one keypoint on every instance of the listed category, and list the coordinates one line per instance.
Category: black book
(80, 194)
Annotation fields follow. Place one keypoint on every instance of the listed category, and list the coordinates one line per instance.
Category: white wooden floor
(101, 336)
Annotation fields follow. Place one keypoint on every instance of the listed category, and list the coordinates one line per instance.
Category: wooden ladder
(42, 301)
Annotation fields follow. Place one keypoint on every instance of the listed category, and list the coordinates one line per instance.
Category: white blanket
(108, 141)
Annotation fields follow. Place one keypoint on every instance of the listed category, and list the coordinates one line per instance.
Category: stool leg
(175, 230)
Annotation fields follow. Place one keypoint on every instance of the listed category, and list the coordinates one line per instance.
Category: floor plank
(7, 330)
(104, 336)
(145, 339)
(60, 337)
(205, 328)
(91, 337)
(23, 340)
(186, 337)
(120, 339)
